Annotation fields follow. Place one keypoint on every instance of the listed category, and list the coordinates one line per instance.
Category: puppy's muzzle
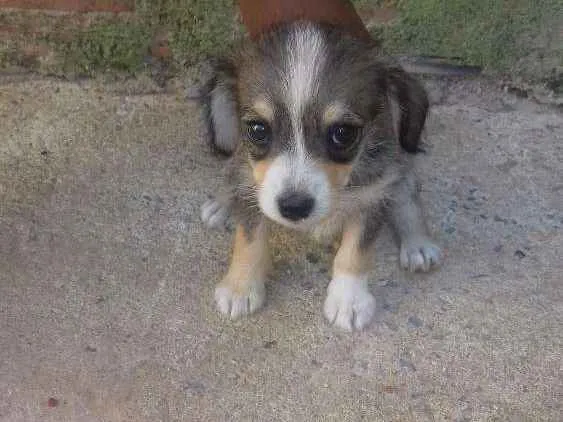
(295, 192)
(295, 206)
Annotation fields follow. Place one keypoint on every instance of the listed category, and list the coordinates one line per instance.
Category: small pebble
(194, 387)
(414, 322)
(269, 344)
(391, 389)
(313, 258)
(391, 325)
(307, 284)
(390, 307)
(406, 364)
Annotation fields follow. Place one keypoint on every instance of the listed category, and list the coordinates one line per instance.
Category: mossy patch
(519, 37)
(516, 38)
(197, 28)
(112, 46)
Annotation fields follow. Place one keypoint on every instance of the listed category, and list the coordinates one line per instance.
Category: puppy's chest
(328, 230)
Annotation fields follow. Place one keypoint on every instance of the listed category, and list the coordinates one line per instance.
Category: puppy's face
(308, 99)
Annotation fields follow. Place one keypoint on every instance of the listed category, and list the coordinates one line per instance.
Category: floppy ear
(409, 106)
(220, 107)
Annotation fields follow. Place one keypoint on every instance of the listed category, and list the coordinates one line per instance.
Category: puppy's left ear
(409, 107)
(220, 106)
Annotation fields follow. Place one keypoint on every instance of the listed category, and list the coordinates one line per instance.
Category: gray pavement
(107, 274)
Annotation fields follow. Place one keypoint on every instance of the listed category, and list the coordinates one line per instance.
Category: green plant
(197, 28)
(495, 34)
(118, 46)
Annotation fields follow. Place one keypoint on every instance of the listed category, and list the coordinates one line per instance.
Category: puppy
(321, 131)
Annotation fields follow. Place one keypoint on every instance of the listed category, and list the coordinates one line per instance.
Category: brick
(72, 5)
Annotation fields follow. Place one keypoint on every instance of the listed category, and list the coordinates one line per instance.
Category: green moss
(518, 36)
(197, 28)
(109, 46)
(495, 34)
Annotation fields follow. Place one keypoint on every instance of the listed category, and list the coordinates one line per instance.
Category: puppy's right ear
(409, 107)
(220, 107)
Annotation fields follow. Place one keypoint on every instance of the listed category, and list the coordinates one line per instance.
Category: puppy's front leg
(349, 304)
(417, 250)
(242, 290)
(216, 211)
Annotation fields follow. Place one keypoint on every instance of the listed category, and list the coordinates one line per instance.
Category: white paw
(214, 214)
(238, 303)
(349, 304)
(419, 254)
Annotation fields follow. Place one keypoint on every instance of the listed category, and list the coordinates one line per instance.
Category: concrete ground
(107, 275)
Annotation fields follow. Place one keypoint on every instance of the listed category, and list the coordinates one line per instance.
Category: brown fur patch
(336, 112)
(351, 259)
(259, 170)
(250, 260)
(338, 174)
(264, 109)
(332, 113)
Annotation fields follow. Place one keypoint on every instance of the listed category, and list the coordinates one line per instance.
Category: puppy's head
(310, 99)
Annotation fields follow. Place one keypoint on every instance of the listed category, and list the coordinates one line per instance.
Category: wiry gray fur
(371, 80)
(392, 105)
(219, 106)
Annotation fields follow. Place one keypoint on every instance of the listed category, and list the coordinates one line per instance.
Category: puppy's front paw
(214, 213)
(419, 254)
(349, 304)
(238, 300)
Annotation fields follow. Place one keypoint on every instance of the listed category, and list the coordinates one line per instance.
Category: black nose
(295, 205)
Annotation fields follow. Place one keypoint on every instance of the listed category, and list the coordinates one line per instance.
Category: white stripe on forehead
(305, 52)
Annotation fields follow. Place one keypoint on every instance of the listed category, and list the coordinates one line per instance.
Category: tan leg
(242, 291)
(349, 304)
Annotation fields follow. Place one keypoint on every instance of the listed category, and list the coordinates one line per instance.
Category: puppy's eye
(342, 136)
(258, 132)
